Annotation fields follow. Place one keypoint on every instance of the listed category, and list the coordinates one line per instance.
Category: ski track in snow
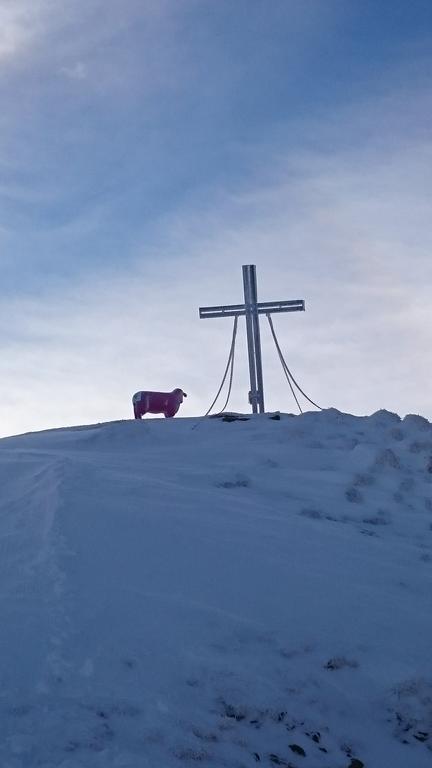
(247, 593)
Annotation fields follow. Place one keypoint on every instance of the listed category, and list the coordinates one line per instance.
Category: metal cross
(251, 309)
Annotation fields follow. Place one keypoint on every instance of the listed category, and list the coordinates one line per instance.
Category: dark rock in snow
(234, 713)
(238, 482)
(316, 736)
(279, 761)
(297, 749)
(229, 417)
(421, 736)
(340, 662)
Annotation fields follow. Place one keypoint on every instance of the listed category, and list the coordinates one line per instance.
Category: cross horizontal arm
(233, 310)
(263, 308)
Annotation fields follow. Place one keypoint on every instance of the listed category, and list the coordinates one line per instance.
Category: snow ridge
(253, 591)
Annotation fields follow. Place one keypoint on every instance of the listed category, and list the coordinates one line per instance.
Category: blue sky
(149, 148)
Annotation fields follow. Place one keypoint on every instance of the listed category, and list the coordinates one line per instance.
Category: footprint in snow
(354, 496)
(387, 458)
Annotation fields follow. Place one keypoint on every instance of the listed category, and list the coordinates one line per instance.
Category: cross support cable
(251, 309)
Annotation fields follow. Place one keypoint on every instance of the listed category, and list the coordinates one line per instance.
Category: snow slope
(241, 593)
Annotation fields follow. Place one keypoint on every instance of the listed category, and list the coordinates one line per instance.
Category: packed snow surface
(218, 593)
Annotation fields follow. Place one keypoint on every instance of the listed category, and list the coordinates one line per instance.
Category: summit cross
(252, 309)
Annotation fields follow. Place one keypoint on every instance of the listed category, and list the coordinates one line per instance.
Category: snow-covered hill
(246, 592)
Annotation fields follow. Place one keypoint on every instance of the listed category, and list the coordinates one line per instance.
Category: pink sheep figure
(167, 403)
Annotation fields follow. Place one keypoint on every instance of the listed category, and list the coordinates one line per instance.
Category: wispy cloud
(22, 22)
(77, 71)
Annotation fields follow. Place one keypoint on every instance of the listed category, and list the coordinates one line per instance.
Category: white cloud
(21, 22)
(60, 35)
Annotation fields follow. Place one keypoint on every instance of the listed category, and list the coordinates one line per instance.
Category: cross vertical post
(256, 394)
(251, 310)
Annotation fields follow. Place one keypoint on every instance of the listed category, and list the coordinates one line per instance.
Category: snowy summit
(249, 592)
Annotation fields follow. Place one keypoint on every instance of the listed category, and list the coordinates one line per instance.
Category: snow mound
(223, 592)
